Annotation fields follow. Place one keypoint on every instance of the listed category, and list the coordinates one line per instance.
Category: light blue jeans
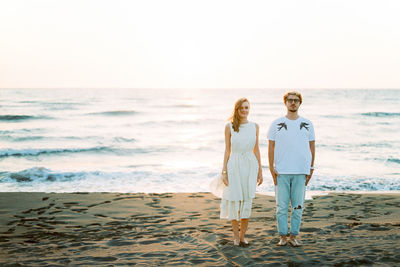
(290, 187)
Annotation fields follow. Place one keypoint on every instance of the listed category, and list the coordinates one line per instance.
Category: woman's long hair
(235, 119)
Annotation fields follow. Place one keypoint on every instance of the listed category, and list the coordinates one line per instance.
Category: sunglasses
(293, 100)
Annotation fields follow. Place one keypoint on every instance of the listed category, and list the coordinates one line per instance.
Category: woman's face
(244, 110)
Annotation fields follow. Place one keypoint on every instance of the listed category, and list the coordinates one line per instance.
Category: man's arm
(271, 152)
(312, 149)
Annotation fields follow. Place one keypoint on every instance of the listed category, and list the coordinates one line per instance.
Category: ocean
(172, 140)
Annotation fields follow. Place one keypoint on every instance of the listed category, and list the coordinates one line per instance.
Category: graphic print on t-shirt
(280, 125)
(305, 125)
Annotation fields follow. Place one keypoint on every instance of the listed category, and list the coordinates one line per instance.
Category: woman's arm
(226, 154)
(256, 151)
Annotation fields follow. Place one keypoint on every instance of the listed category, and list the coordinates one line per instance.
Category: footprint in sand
(119, 243)
(27, 211)
(196, 196)
(352, 217)
(194, 214)
(148, 242)
(10, 231)
(101, 215)
(177, 221)
(310, 229)
(97, 204)
(54, 212)
(101, 259)
(154, 204)
(123, 198)
(69, 204)
(80, 210)
(166, 196)
(165, 212)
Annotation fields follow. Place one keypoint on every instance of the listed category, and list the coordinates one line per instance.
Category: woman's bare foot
(244, 243)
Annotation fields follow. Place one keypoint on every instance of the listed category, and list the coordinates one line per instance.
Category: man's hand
(225, 179)
(308, 177)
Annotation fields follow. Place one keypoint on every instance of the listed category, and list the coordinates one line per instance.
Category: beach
(116, 119)
(106, 229)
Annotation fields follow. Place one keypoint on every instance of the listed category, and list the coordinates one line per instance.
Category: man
(291, 153)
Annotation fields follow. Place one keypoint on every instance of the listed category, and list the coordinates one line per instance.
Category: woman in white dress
(241, 170)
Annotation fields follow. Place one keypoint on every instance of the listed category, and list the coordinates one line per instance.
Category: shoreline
(185, 229)
(309, 193)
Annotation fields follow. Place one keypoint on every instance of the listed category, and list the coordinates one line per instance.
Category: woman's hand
(225, 179)
(260, 179)
(274, 175)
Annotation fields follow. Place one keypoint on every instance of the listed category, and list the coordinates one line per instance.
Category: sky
(199, 44)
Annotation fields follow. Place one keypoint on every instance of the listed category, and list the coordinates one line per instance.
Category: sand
(106, 229)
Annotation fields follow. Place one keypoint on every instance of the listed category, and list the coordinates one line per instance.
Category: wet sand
(106, 229)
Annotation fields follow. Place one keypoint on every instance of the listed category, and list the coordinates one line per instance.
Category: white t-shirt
(292, 145)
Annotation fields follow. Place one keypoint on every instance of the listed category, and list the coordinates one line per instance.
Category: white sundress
(242, 171)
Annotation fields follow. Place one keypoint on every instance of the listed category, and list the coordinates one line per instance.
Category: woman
(241, 170)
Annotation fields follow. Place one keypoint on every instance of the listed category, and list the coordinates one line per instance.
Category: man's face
(292, 103)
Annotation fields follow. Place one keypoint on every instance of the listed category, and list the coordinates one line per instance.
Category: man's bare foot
(294, 242)
(282, 241)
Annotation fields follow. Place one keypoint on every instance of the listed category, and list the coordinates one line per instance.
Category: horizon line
(209, 88)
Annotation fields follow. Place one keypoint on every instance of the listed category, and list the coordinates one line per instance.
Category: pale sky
(200, 44)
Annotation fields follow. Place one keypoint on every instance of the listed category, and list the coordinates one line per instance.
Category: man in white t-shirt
(291, 153)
